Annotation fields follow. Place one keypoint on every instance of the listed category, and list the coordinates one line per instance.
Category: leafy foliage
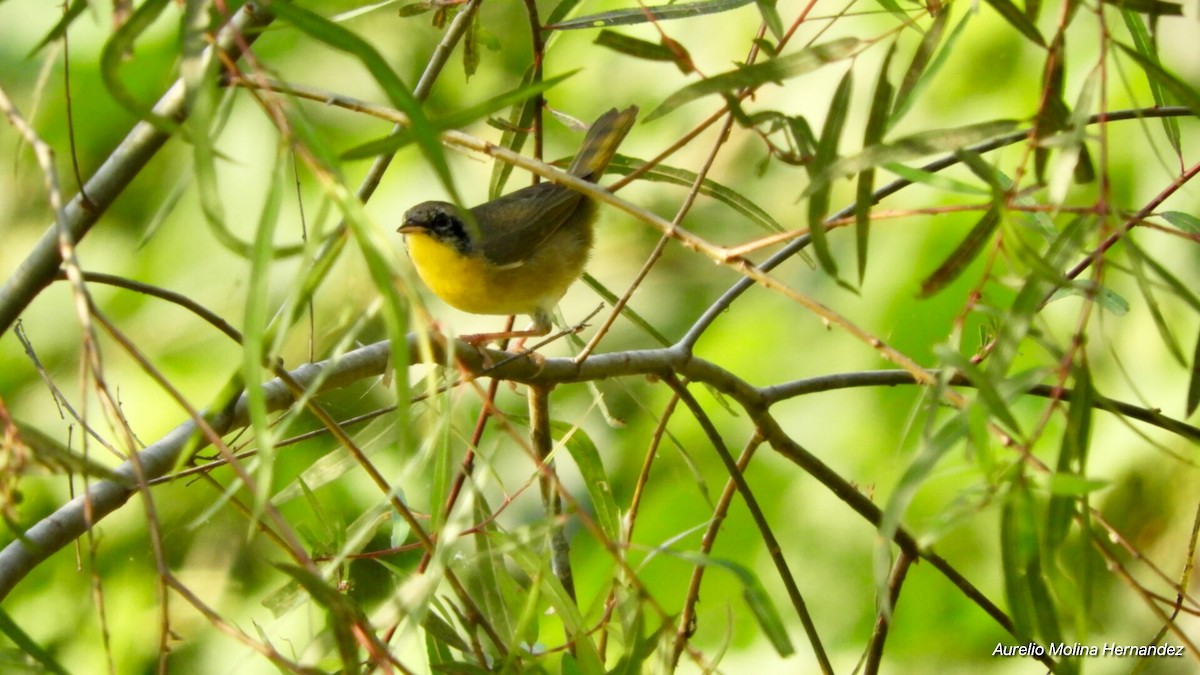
(350, 489)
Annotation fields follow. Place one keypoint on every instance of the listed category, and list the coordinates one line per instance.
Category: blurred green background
(869, 436)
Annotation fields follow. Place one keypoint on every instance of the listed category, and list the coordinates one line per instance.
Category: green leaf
(1193, 393)
(936, 181)
(756, 597)
(513, 136)
(1155, 8)
(60, 29)
(1184, 221)
(28, 646)
(457, 120)
(1185, 94)
(663, 173)
(770, 16)
(925, 67)
(1144, 44)
(990, 397)
(595, 479)
(1018, 551)
(775, 70)
(625, 17)
(922, 144)
(1068, 484)
(827, 148)
(631, 46)
(970, 247)
(400, 96)
(877, 120)
(1102, 295)
(1018, 19)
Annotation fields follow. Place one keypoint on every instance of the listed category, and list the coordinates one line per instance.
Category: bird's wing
(515, 225)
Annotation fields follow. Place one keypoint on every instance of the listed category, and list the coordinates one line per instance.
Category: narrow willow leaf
(398, 94)
(967, 251)
(470, 52)
(663, 173)
(1102, 295)
(1018, 19)
(1186, 94)
(631, 46)
(873, 134)
(28, 647)
(595, 479)
(1046, 611)
(342, 616)
(1072, 461)
(990, 397)
(72, 12)
(625, 17)
(1154, 8)
(117, 48)
(776, 70)
(922, 144)
(756, 597)
(1018, 548)
(827, 148)
(457, 120)
(564, 606)
(414, 9)
(1193, 393)
(770, 17)
(923, 68)
(520, 121)
(56, 457)
(1184, 221)
(936, 181)
(1144, 45)
(1150, 300)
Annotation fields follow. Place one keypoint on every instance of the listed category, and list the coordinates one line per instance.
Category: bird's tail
(601, 143)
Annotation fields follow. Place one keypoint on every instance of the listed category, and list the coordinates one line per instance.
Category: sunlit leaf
(1193, 393)
(663, 173)
(342, 39)
(770, 16)
(1184, 221)
(924, 66)
(1067, 483)
(72, 12)
(1144, 44)
(455, 120)
(1102, 295)
(827, 150)
(773, 71)
(595, 479)
(990, 397)
(922, 144)
(631, 46)
(624, 17)
(1183, 92)
(936, 180)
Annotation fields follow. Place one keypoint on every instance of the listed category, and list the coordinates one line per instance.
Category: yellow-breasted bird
(529, 247)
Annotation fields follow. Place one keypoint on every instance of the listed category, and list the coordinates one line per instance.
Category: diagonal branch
(126, 161)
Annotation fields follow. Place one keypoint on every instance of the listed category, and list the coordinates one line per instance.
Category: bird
(526, 248)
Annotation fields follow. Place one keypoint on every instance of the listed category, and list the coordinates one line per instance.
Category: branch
(123, 164)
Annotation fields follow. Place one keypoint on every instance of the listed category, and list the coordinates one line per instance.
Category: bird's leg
(540, 327)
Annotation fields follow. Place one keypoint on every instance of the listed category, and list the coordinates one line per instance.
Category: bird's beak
(409, 228)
